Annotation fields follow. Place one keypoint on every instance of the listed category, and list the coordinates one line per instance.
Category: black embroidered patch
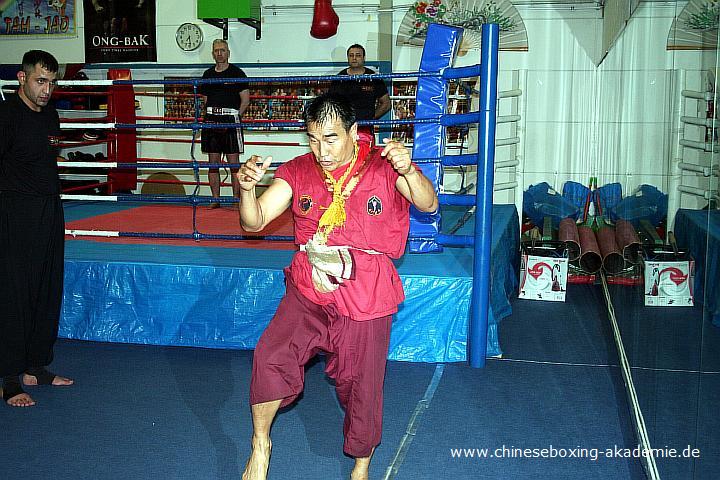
(374, 206)
(305, 203)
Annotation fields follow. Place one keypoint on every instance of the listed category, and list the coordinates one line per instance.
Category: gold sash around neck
(335, 215)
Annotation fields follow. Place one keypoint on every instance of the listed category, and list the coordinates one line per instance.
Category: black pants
(32, 243)
(222, 140)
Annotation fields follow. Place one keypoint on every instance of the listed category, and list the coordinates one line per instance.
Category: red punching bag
(325, 20)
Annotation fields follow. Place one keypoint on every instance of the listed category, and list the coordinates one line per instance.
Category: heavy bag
(325, 20)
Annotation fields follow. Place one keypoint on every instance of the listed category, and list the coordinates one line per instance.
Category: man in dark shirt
(369, 98)
(226, 103)
(32, 231)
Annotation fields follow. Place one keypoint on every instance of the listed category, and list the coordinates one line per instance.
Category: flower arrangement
(453, 12)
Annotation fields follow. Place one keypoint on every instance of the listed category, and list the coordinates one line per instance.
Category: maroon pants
(356, 358)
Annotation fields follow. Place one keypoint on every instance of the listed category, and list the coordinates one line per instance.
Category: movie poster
(37, 17)
(119, 31)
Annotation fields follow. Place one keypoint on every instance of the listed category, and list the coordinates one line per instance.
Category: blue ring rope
(195, 199)
(205, 236)
(192, 199)
(448, 73)
(446, 120)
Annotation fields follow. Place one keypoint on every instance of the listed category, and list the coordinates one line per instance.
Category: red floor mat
(178, 219)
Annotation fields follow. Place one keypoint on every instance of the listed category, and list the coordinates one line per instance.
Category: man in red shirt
(350, 204)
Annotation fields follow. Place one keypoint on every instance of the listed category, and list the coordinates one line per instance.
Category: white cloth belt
(339, 247)
(330, 264)
(222, 111)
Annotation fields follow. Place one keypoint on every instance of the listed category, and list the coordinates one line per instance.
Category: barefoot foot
(259, 461)
(361, 471)
(21, 400)
(57, 380)
(13, 393)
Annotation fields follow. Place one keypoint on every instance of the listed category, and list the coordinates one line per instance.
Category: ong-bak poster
(119, 31)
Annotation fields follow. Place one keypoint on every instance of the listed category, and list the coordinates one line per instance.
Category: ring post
(122, 146)
(477, 332)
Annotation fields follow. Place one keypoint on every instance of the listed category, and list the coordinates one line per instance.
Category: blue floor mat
(574, 331)
(139, 412)
(680, 411)
(527, 406)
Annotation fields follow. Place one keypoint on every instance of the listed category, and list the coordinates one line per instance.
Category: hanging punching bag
(325, 20)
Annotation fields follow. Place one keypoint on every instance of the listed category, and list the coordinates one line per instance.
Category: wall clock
(189, 37)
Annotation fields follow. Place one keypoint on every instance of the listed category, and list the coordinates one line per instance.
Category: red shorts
(356, 358)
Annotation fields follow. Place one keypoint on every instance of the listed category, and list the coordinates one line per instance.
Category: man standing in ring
(225, 103)
(369, 98)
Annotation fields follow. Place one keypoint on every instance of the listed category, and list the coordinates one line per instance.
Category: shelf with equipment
(179, 101)
(83, 145)
(82, 142)
(403, 106)
(276, 101)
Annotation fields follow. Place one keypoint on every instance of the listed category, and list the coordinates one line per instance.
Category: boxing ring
(222, 294)
(162, 269)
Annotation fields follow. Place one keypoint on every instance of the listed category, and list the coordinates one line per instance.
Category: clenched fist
(251, 173)
(398, 156)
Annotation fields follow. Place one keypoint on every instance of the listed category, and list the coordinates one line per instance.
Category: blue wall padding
(539, 202)
(575, 193)
(648, 203)
(425, 226)
(432, 92)
(609, 195)
(218, 297)
(699, 232)
(431, 102)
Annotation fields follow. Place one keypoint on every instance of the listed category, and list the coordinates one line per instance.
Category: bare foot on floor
(21, 400)
(57, 381)
(259, 461)
(360, 473)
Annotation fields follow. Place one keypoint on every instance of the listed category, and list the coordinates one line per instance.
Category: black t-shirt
(224, 95)
(362, 95)
(28, 148)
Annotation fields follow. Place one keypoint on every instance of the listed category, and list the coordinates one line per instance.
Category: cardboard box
(543, 278)
(669, 283)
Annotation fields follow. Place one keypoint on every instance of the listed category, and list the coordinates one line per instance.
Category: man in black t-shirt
(226, 103)
(369, 98)
(32, 231)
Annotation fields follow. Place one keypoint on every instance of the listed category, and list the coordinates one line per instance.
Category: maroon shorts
(356, 357)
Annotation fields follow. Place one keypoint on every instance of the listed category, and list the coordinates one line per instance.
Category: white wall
(613, 121)
(285, 35)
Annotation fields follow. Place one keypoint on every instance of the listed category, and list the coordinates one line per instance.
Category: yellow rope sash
(334, 215)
